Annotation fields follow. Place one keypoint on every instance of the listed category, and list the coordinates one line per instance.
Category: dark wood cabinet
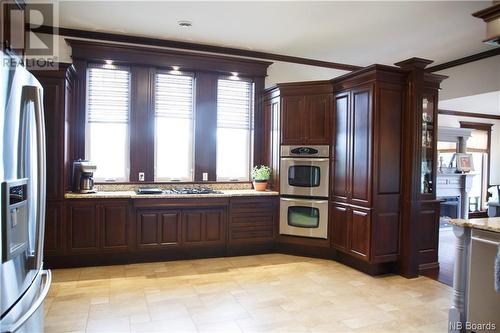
(366, 163)
(53, 228)
(339, 220)
(114, 226)
(428, 230)
(305, 109)
(317, 114)
(252, 224)
(293, 129)
(352, 146)
(359, 233)
(58, 105)
(351, 230)
(158, 228)
(83, 227)
(204, 227)
(184, 224)
(341, 150)
(94, 226)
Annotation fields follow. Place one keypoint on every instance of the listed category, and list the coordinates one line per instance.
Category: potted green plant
(260, 176)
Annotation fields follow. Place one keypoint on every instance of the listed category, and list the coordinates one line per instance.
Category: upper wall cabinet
(58, 89)
(305, 111)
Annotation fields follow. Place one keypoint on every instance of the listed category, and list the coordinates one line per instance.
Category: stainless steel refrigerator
(24, 283)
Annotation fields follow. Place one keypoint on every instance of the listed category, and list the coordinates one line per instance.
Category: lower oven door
(304, 217)
(304, 176)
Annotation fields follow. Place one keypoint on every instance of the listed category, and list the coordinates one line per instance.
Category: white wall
(474, 78)
(474, 87)
(281, 72)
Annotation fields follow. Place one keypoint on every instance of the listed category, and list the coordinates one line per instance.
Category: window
(234, 129)
(173, 127)
(477, 145)
(108, 106)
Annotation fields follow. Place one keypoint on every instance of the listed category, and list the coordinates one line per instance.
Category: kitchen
(192, 187)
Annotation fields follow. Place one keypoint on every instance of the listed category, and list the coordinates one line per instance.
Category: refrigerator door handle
(36, 304)
(33, 94)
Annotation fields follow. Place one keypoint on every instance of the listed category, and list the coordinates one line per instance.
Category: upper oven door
(304, 176)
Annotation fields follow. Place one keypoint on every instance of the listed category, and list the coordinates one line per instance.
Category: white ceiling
(359, 33)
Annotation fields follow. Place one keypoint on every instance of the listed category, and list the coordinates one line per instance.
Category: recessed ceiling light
(185, 24)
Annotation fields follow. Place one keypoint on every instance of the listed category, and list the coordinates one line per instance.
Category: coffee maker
(83, 173)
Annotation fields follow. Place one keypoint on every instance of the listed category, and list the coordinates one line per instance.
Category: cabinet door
(359, 233)
(52, 235)
(360, 173)
(317, 119)
(339, 223)
(292, 126)
(147, 229)
(114, 224)
(215, 230)
(170, 228)
(83, 227)
(192, 222)
(53, 106)
(204, 227)
(340, 156)
(428, 234)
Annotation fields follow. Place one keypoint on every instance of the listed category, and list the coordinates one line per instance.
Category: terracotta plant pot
(260, 185)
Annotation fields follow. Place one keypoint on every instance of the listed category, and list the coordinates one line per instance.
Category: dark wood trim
(112, 37)
(130, 55)
(465, 60)
(488, 13)
(474, 125)
(205, 141)
(469, 114)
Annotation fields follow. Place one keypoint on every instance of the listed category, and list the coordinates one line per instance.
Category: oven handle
(486, 241)
(305, 200)
(305, 159)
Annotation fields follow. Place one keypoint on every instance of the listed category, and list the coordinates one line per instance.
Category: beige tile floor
(265, 293)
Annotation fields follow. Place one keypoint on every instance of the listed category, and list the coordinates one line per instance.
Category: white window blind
(174, 127)
(234, 129)
(108, 108)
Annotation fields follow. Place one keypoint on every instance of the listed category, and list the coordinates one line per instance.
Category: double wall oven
(304, 173)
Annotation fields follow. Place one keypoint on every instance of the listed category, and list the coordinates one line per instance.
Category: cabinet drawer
(253, 207)
(252, 233)
(250, 221)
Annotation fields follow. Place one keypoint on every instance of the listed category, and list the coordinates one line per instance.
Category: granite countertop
(489, 224)
(134, 195)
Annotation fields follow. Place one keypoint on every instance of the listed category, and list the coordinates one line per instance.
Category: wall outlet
(205, 176)
(141, 176)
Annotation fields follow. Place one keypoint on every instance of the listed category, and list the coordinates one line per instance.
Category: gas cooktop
(192, 190)
(185, 190)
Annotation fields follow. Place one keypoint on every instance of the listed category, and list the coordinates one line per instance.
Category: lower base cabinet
(95, 226)
(428, 229)
(252, 224)
(351, 230)
(169, 228)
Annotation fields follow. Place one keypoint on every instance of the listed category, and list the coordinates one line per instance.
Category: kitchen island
(475, 303)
